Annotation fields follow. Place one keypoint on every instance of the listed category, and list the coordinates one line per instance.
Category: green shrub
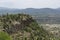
(4, 36)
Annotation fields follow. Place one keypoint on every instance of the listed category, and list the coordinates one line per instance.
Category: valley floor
(52, 28)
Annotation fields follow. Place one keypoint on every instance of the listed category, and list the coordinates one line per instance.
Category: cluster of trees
(23, 27)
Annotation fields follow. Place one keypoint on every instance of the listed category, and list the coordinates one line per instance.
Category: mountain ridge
(32, 11)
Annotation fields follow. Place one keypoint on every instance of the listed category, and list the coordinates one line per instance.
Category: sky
(21, 4)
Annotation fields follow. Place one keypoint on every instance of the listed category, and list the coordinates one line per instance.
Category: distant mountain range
(32, 11)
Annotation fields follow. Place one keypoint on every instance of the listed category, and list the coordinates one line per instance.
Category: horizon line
(29, 8)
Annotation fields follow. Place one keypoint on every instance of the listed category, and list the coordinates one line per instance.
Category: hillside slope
(23, 27)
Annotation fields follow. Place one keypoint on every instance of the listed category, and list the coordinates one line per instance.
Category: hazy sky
(30, 3)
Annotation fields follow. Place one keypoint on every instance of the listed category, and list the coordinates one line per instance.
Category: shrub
(4, 36)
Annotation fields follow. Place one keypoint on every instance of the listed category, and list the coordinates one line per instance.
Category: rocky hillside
(23, 27)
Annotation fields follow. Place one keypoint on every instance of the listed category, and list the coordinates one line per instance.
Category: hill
(23, 27)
